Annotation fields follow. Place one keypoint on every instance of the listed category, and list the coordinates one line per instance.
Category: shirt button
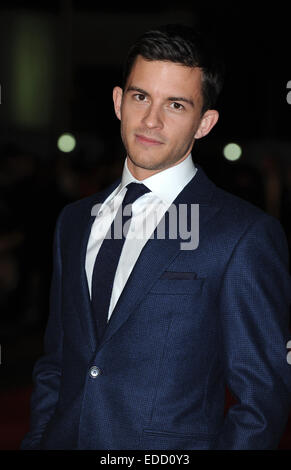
(94, 372)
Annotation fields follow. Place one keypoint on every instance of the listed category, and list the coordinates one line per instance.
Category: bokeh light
(232, 152)
(66, 143)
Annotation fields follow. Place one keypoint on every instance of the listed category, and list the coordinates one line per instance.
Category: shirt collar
(166, 184)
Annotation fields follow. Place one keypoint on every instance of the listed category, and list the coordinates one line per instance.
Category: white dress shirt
(147, 211)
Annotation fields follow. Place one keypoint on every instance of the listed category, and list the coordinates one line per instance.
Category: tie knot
(134, 191)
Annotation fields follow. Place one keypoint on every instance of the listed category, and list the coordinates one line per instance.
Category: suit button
(94, 372)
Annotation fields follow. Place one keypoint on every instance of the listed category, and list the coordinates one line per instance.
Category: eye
(139, 97)
(177, 106)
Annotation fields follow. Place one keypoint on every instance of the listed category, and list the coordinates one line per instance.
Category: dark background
(58, 65)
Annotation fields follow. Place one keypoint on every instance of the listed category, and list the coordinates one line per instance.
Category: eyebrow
(170, 98)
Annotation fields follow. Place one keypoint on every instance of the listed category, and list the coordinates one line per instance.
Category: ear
(117, 99)
(209, 119)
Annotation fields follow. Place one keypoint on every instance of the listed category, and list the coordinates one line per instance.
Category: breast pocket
(177, 286)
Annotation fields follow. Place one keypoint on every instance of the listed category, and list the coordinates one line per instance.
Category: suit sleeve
(254, 318)
(47, 371)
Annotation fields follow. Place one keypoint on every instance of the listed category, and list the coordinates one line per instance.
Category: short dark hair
(183, 45)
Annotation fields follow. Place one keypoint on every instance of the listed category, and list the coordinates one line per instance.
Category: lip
(147, 140)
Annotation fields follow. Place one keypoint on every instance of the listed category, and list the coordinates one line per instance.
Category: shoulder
(233, 205)
(81, 208)
(78, 207)
(238, 212)
(233, 211)
(249, 226)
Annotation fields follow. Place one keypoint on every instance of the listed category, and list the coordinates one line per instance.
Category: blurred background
(60, 141)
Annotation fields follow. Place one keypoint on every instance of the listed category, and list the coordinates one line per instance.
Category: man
(182, 322)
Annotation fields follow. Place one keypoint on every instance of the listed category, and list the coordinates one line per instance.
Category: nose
(153, 118)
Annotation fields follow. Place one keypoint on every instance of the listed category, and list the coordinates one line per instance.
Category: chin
(146, 164)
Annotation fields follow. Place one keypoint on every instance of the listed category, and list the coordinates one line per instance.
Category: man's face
(160, 113)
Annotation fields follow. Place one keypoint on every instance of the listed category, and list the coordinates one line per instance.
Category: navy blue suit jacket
(174, 341)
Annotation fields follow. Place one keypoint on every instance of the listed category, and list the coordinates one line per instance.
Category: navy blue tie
(107, 259)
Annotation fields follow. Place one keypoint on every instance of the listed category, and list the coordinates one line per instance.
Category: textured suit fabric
(186, 324)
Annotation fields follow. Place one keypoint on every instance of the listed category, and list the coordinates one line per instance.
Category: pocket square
(178, 275)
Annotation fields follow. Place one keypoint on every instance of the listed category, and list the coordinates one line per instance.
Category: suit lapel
(157, 254)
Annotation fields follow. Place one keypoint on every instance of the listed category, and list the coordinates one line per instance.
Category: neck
(143, 173)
